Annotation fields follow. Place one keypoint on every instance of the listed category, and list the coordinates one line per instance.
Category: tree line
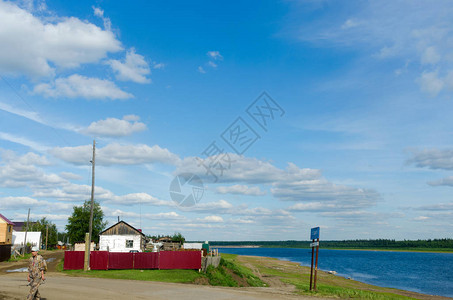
(348, 244)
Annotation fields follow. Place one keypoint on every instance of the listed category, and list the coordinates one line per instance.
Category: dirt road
(58, 286)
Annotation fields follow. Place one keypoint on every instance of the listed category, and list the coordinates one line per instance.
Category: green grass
(342, 292)
(179, 276)
(230, 261)
(220, 276)
(19, 258)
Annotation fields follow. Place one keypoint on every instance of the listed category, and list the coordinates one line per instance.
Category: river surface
(427, 273)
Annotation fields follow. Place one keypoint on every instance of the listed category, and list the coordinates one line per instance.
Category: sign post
(314, 236)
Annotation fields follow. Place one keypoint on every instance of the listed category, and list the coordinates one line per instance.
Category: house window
(9, 228)
(129, 244)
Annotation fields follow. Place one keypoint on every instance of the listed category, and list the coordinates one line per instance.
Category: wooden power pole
(90, 230)
(26, 231)
(47, 234)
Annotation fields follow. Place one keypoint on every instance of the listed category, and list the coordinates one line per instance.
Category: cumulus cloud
(289, 184)
(133, 68)
(240, 190)
(112, 127)
(34, 47)
(23, 171)
(116, 154)
(78, 86)
(433, 159)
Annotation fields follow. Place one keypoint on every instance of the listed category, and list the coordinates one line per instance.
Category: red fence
(103, 260)
(180, 260)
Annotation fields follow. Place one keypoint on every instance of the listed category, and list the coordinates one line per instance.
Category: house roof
(19, 225)
(6, 220)
(138, 231)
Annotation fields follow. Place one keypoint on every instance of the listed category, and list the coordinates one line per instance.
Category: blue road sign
(314, 233)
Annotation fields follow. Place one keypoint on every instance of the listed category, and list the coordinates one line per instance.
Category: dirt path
(53, 258)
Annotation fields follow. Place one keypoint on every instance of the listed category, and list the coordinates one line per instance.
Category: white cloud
(23, 141)
(290, 184)
(158, 66)
(247, 169)
(116, 154)
(201, 70)
(212, 64)
(112, 127)
(430, 56)
(391, 30)
(78, 86)
(134, 68)
(98, 12)
(22, 171)
(31, 115)
(34, 47)
(215, 55)
(433, 159)
(211, 219)
(70, 176)
(437, 207)
(240, 190)
(421, 218)
(350, 23)
(431, 83)
(448, 181)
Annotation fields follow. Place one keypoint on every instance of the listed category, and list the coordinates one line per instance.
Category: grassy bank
(229, 273)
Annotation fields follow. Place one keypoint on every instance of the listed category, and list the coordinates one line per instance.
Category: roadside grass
(177, 276)
(19, 258)
(229, 273)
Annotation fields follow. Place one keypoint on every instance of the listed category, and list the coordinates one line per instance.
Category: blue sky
(361, 145)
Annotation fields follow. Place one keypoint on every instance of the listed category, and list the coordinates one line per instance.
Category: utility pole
(47, 234)
(26, 230)
(87, 248)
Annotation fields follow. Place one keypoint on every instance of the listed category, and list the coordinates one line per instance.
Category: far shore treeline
(384, 244)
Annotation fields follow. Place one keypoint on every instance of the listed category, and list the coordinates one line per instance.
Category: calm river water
(427, 273)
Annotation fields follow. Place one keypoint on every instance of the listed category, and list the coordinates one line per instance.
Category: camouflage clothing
(36, 265)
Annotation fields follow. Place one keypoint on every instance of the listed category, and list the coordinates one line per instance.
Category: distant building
(6, 231)
(122, 237)
(80, 246)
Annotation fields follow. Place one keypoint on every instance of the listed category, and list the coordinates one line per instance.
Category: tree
(178, 237)
(79, 222)
(43, 225)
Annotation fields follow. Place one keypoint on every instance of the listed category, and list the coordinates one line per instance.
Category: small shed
(122, 237)
(6, 231)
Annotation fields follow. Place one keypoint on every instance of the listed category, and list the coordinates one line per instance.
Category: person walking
(37, 266)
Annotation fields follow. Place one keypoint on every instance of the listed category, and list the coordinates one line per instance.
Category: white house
(122, 237)
(33, 238)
